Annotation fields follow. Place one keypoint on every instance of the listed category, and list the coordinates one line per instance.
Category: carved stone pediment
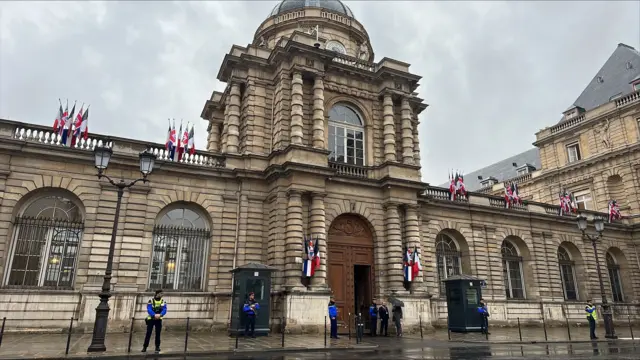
(351, 226)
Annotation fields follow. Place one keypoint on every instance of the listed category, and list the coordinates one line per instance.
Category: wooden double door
(351, 271)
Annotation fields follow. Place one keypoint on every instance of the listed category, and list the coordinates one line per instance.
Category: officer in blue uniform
(333, 317)
(251, 308)
(156, 310)
(373, 313)
(484, 317)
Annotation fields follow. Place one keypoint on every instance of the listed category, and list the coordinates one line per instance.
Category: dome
(335, 6)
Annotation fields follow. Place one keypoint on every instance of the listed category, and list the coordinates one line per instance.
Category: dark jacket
(247, 307)
(383, 312)
(397, 313)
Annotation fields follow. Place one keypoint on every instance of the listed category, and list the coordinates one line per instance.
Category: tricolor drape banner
(311, 261)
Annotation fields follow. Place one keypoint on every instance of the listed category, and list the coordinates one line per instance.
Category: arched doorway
(351, 272)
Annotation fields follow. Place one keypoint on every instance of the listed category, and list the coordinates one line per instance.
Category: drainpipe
(235, 245)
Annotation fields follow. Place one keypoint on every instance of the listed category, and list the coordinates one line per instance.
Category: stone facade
(272, 172)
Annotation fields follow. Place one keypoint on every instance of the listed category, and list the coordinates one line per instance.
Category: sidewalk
(53, 345)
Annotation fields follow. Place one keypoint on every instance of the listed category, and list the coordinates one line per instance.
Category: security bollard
(568, 327)
(130, 335)
(349, 326)
(325, 331)
(544, 327)
(282, 329)
(66, 352)
(357, 328)
(186, 335)
(4, 320)
(237, 332)
(519, 329)
(421, 337)
(449, 334)
(628, 319)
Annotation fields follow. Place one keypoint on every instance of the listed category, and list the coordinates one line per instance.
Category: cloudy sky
(494, 73)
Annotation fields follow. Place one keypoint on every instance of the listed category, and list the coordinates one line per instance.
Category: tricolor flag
(460, 188)
(452, 187)
(82, 131)
(63, 120)
(171, 140)
(408, 265)
(192, 143)
(184, 149)
(614, 211)
(58, 120)
(66, 130)
(76, 124)
(311, 262)
(416, 267)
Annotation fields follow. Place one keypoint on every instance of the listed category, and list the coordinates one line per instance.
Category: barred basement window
(179, 256)
(567, 274)
(512, 271)
(447, 259)
(46, 240)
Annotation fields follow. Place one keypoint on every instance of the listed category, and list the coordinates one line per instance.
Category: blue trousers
(334, 328)
(592, 327)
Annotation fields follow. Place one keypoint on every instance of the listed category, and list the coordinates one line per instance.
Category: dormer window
(525, 169)
(636, 86)
(490, 181)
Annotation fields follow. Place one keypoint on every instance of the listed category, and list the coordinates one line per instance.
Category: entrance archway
(350, 267)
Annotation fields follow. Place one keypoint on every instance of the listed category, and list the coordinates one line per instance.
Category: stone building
(311, 136)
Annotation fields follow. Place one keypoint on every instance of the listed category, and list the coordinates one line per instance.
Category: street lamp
(102, 157)
(610, 332)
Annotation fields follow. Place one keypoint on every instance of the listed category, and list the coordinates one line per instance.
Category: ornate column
(394, 248)
(416, 144)
(318, 113)
(412, 231)
(296, 109)
(214, 137)
(319, 231)
(233, 127)
(225, 127)
(389, 129)
(293, 242)
(407, 133)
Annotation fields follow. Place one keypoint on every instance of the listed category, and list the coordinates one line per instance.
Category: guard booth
(251, 278)
(463, 298)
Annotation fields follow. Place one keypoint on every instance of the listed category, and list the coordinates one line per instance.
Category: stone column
(296, 109)
(412, 231)
(233, 127)
(225, 127)
(389, 129)
(214, 137)
(407, 133)
(394, 247)
(318, 113)
(416, 144)
(293, 242)
(319, 231)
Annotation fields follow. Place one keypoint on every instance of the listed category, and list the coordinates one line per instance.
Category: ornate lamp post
(610, 332)
(102, 157)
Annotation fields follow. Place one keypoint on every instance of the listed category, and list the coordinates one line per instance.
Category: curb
(534, 342)
(174, 354)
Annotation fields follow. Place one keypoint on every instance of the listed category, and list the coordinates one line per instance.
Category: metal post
(544, 327)
(325, 331)
(237, 331)
(628, 317)
(66, 351)
(519, 329)
(4, 320)
(420, 318)
(282, 329)
(102, 311)
(449, 333)
(186, 336)
(568, 327)
(349, 326)
(355, 320)
(486, 333)
(130, 334)
(607, 315)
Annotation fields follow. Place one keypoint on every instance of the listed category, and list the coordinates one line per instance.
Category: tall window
(567, 274)
(583, 200)
(447, 258)
(573, 152)
(614, 278)
(46, 240)
(512, 271)
(179, 251)
(346, 135)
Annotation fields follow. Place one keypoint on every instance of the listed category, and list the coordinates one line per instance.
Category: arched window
(614, 278)
(346, 135)
(447, 259)
(46, 240)
(180, 240)
(512, 271)
(567, 274)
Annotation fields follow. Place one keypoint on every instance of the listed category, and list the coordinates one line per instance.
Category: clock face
(336, 46)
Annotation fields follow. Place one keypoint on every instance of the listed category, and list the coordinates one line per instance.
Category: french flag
(171, 140)
(416, 267)
(66, 130)
(312, 261)
(82, 126)
(408, 266)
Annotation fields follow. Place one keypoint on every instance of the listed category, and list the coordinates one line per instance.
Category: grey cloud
(493, 73)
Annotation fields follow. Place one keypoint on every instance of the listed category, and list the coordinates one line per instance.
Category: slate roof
(614, 78)
(502, 170)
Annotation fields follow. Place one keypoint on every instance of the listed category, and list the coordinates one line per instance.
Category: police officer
(383, 312)
(251, 308)
(373, 313)
(156, 310)
(592, 316)
(333, 317)
(484, 317)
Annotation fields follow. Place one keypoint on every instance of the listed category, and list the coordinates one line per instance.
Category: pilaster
(416, 143)
(225, 127)
(319, 232)
(318, 113)
(293, 242)
(233, 128)
(296, 109)
(389, 129)
(412, 231)
(394, 248)
(407, 133)
(213, 141)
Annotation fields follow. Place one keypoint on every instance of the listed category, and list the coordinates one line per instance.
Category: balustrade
(350, 170)
(354, 62)
(631, 98)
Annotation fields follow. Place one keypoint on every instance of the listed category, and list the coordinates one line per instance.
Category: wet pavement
(53, 345)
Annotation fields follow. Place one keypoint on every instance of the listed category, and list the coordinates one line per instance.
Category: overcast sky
(494, 73)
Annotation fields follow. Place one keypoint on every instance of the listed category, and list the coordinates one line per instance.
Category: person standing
(333, 317)
(483, 311)
(592, 316)
(250, 309)
(156, 310)
(397, 319)
(383, 312)
(373, 314)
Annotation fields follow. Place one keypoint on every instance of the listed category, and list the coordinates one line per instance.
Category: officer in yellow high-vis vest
(592, 316)
(156, 310)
